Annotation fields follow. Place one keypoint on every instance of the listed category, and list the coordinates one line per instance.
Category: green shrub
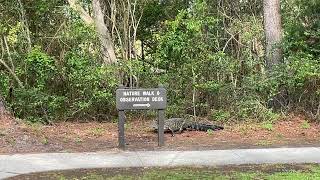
(220, 115)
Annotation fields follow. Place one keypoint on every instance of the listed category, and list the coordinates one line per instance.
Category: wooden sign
(141, 99)
(134, 99)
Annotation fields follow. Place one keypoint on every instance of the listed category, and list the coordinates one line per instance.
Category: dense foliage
(208, 54)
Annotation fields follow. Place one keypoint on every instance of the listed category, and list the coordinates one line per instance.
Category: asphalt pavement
(16, 164)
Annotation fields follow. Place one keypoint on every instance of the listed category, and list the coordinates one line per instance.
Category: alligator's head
(154, 125)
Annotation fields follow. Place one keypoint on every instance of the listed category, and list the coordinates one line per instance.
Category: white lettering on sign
(134, 99)
(131, 93)
(141, 98)
(148, 93)
(142, 105)
(157, 99)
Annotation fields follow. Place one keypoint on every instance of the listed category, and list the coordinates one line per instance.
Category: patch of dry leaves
(20, 137)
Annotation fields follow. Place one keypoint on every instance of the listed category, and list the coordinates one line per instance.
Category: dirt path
(19, 137)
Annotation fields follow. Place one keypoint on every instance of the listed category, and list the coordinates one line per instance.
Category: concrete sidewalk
(12, 165)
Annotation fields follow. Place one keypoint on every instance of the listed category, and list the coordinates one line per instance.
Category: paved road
(12, 165)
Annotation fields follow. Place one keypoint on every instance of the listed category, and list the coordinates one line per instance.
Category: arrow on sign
(141, 105)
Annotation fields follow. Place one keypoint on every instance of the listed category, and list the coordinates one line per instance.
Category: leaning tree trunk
(273, 32)
(2, 108)
(107, 46)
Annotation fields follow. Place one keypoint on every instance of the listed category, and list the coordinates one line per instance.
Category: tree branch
(74, 4)
(12, 73)
(25, 24)
(8, 52)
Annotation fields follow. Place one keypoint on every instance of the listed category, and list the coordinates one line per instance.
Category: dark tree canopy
(223, 59)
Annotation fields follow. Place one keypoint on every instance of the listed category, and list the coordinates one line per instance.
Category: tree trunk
(273, 32)
(2, 108)
(107, 46)
(74, 4)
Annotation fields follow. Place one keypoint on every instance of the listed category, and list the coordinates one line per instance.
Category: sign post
(141, 99)
(121, 122)
(161, 127)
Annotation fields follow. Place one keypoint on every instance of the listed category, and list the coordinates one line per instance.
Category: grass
(65, 140)
(290, 172)
(305, 125)
(246, 128)
(267, 126)
(35, 127)
(78, 140)
(127, 125)
(98, 131)
(210, 132)
(2, 133)
(11, 141)
(45, 141)
(279, 136)
(264, 143)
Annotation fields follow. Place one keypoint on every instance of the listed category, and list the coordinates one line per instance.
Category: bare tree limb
(55, 36)
(25, 25)
(12, 73)
(11, 70)
(226, 45)
(8, 53)
(74, 4)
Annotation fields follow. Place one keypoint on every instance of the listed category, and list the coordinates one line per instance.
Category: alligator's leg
(180, 130)
(172, 132)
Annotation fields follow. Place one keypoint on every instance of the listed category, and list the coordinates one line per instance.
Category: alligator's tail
(204, 127)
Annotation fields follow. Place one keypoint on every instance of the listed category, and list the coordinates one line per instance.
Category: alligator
(178, 125)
